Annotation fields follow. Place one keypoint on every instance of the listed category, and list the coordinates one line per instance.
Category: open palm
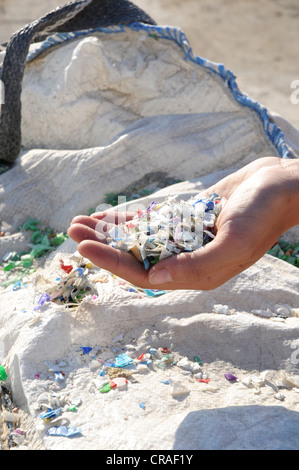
(254, 216)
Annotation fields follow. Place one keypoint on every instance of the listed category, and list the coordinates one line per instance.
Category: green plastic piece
(59, 239)
(41, 248)
(3, 374)
(37, 236)
(30, 224)
(106, 388)
(198, 360)
(291, 260)
(9, 267)
(73, 408)
(14, 256)
(26, 263)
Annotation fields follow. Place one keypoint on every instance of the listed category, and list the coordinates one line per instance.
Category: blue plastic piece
(123, 360)
(154, 292)
(86, 350)
(17, 286)
(63, 431)
(50, 413)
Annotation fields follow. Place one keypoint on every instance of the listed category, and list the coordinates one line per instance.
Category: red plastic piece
(67, 269)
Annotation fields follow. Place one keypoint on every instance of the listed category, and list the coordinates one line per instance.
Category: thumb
(204, 269)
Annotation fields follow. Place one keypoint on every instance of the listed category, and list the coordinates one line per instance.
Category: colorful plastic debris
(85, 349)
(106, 388)
(123, 360)
(63, 431)
(206, 381)
(286, 251)
(66, 268)
(198, 360)
(3, 374)
(230, 377)
(154, 292)
(167, 228)
(44, 298)
(50, 414)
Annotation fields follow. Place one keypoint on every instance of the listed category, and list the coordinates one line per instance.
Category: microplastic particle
(230, 377)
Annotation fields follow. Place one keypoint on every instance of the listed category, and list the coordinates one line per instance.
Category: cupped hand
(258, 210)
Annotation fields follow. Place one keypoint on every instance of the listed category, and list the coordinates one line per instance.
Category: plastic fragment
(286, 251)
(85, 349)
(120, 382)
(9, 267)
(106, 388)
(58, 239)
(30, 224)
(230, 377)
(152, 351)
(167, 229)
(165, 350)
(8, 256)
(198, 360)
(44, 298)
(142, 405)
(58, 376)
(123, 360)
(17, 286)
(66, 268)
(72, 408)
(3, 374)
(154, 293)
(37, 236)
(50, 414)
(63, 431)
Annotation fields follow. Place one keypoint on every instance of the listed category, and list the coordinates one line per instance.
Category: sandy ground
(257, 39)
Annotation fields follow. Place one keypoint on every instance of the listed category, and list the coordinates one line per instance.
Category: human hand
(262, 203)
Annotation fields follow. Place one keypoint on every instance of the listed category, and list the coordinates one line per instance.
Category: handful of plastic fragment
(168, 228)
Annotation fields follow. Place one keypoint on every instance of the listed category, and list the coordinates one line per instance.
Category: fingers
(113, 216)
(120, 263)
(204, 269)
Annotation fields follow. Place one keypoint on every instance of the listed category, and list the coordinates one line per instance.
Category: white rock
(93, 365)
(279, 396)
(223, 309)
(184, 363)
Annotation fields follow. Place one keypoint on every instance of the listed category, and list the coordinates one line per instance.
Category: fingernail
(160, 277)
